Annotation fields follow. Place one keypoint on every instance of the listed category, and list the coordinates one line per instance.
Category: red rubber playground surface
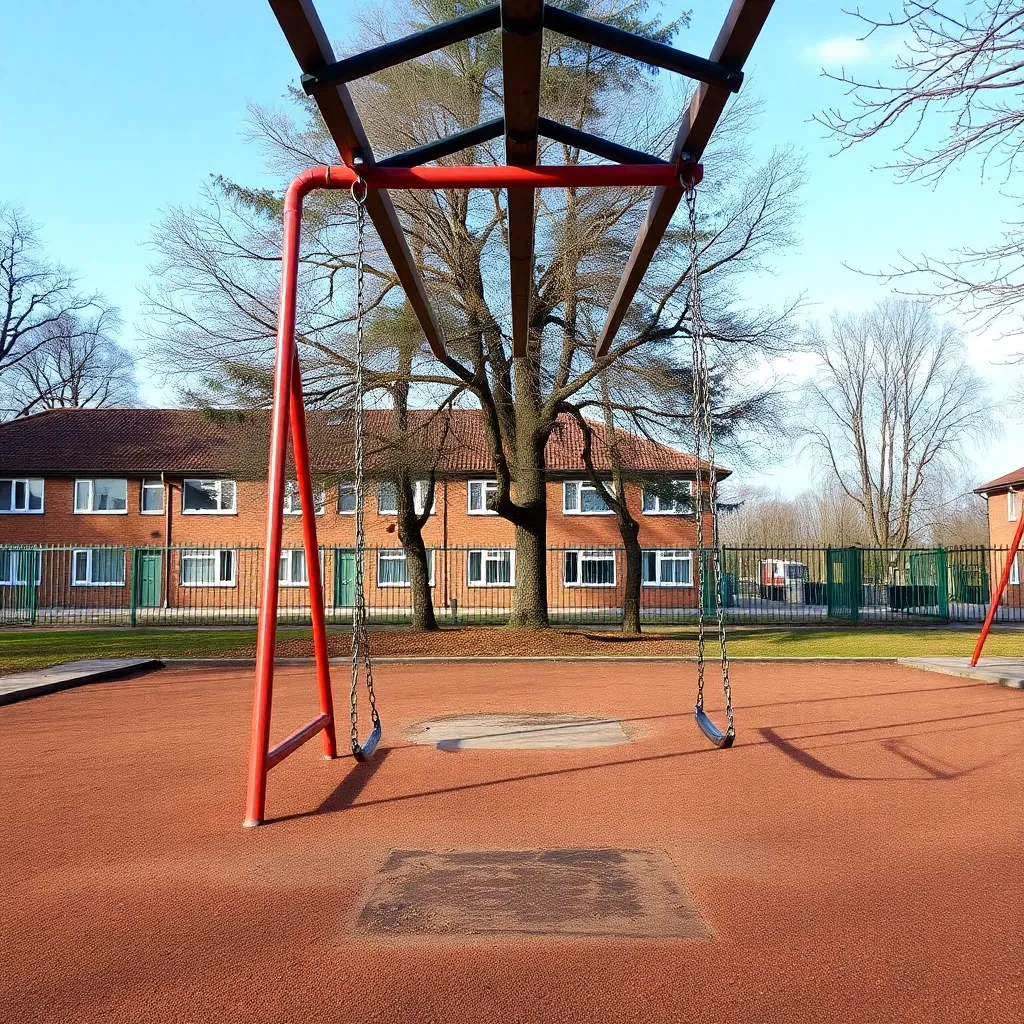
(856, 856)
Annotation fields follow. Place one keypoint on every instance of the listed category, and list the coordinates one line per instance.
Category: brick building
(166, 508)
(1005, 497)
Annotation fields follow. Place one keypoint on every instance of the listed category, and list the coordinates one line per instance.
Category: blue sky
(114, 111)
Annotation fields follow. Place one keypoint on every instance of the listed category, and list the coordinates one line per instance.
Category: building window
(1015, 571)
(15, 566)
(491, 568)
(668, 498)
(347, 498)
(293, 568)
(479, 493)
(293, 504)
(152, 502)
(208, 567)
(580, 498)
(387, 497)
(393, 570)
(98, 567)
(588, 568)
(673, 568)
(1011, 506)
(208, 497)
(101, 496)
(21, 497)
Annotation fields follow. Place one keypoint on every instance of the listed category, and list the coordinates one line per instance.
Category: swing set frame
(521, 24)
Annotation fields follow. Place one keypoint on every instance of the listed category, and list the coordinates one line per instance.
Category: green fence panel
(844, 583)
(220, 585)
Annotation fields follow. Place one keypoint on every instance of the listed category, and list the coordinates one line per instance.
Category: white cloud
(839, 50)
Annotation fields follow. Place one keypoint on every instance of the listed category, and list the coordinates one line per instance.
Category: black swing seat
(364, 751)
(720, 739)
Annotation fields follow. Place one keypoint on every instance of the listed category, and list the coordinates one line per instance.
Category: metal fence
(188, 586)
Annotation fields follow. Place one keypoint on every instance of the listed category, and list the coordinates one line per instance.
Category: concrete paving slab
(24, 685)
(1002, 671)
(517, 732)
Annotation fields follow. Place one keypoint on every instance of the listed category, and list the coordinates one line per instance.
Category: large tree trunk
(530, 600)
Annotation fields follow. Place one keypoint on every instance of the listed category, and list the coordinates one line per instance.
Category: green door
(148, 579)
(344, 578)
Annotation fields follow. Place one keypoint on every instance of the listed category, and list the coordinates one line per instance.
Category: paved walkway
(1004, 671)
(23, 685)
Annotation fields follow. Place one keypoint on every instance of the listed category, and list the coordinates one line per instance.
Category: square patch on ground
(530, 892)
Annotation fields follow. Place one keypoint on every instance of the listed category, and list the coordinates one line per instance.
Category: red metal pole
(1004, 579)
(266, 630)
(300, 451)
(543, 176)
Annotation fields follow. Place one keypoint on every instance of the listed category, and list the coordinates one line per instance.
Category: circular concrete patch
(535, 731)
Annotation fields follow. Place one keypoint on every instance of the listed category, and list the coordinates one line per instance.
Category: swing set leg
(287, 417)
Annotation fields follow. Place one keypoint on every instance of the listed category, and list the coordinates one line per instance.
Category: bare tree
(891, 405)
(956, 91)
(216, 300)
(35, 293)
(80, 364)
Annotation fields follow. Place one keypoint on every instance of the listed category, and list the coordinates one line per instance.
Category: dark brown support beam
(742, 26)
(522, 31)
(455, 143)
(661, 55)
(308, 41)
(568, 136)
(387, 55)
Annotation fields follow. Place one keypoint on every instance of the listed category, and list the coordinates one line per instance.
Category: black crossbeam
(450, 144)
(408, 48)
(593, 143)
(607, 37)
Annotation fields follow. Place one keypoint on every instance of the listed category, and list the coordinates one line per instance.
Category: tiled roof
(1004, 482)
(134, 441)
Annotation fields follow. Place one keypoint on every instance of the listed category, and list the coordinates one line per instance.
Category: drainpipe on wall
(167, 539)
(444, 536)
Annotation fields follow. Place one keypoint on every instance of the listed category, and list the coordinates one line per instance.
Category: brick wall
(1001, 529)
(450, 526)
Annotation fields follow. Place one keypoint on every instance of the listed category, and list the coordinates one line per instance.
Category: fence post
(132, 575)
(35, 568)
(942, 571)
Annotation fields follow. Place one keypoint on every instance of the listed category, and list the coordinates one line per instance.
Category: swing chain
(360, 637)
(703, 437)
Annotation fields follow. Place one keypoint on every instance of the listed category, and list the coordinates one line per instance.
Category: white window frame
(206, 553)
(666, 555)
(347, 486)
(486, 555)
(392, 555)
(90, 511)
(1011, 506)
(204, 481)
(289, 554)
(659, 511)
(419, 489)
(1014, 580)
(489, 487)
(151, 485)
(27, 481)
(89, 552)
(16, 563)
(292, 504)
(590, 554)
(584, 485)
